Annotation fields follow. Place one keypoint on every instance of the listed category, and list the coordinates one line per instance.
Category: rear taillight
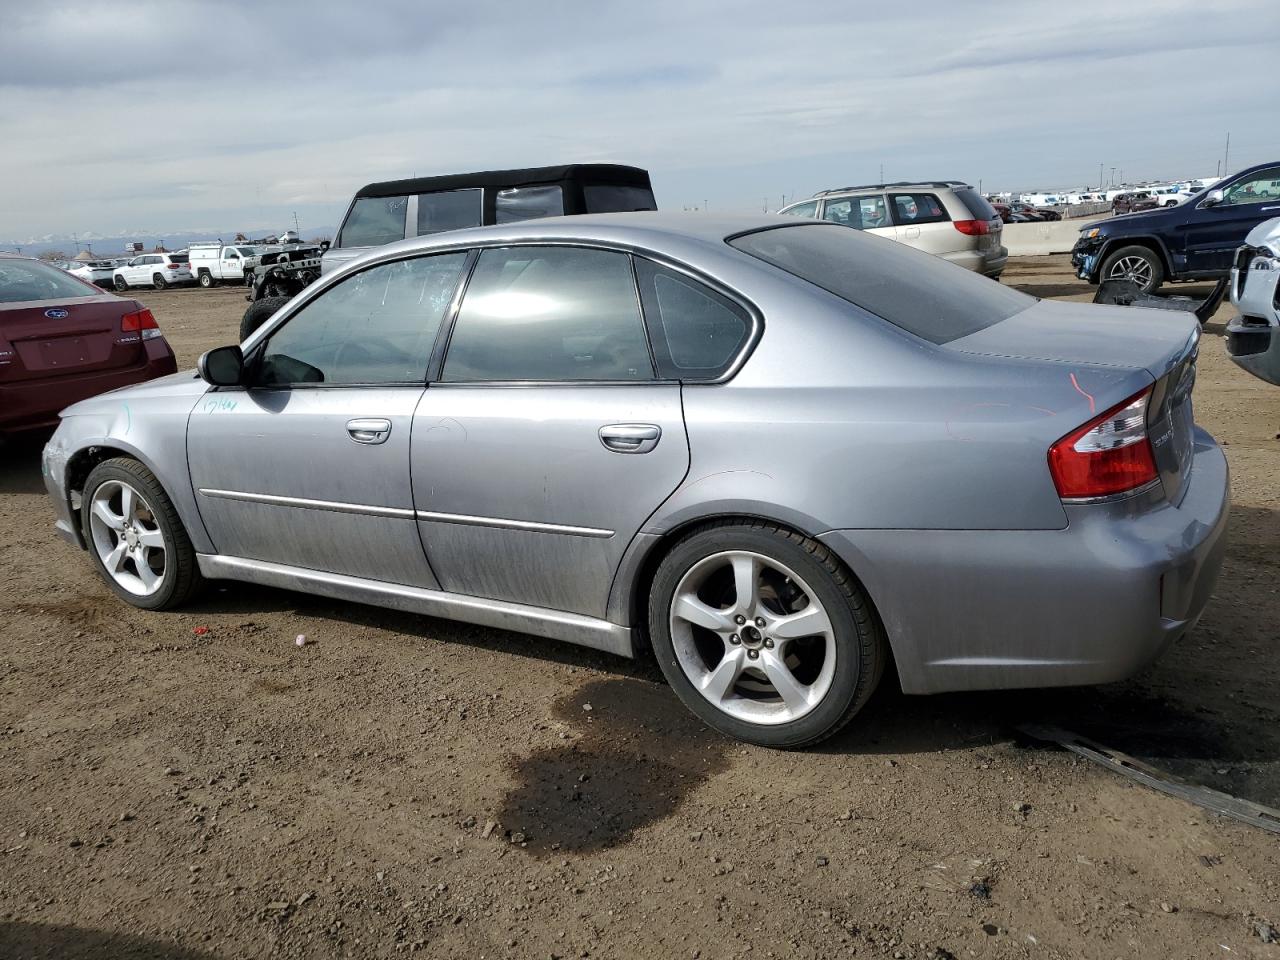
(142, 322)
(973, 228)
(1110, 454)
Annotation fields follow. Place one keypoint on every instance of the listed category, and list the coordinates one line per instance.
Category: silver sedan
(783, 455)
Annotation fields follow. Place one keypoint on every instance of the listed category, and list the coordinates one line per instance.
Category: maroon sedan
(62, 340)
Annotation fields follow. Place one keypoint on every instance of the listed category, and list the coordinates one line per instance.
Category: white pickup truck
(212, 263)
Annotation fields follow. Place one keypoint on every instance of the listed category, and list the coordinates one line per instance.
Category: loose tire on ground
(854, 639)
(181, 577)
(258, 313)
(1140, 264)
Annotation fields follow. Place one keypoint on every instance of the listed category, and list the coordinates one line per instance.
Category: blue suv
(1194, 241)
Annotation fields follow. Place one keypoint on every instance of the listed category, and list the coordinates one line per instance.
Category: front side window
(374, 221)
(914, 208)
(696, 332)
(1257, 188)
(529, 203)
(377, 326)
(549, 314)
(448, 210)
(230, 254)
(807, 209)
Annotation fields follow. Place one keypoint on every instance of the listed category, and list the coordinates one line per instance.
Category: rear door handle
(630, 437)
(369, 430)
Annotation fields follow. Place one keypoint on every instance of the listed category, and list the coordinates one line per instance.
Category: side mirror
(1213, 199)
(222, 366)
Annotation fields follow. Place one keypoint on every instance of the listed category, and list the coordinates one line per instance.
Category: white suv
(947, 218)
(157, 270)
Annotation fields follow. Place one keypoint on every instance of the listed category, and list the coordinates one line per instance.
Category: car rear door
(547, 440)
(308, 465)
(867, 212)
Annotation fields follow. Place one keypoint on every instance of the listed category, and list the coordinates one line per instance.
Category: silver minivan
(947, 218)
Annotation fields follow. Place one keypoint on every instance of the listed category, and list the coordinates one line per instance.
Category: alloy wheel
(127, 538)
(1137, 269)
(752, 637)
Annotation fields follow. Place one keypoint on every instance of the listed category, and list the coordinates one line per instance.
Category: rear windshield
(22, 280)
(617, 198)
(976, 204)
(922, 294)
(179, 258)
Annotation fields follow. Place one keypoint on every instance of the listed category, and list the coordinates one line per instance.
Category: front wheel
(763, 634)
(1140, 265)
(120, 283)
(136, 538)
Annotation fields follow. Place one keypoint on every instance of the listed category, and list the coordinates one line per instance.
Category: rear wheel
(763, 634)
(135, 537)
(120, 283)
(206, 279)
(1140, 265)
(159, 281)
(259, 312)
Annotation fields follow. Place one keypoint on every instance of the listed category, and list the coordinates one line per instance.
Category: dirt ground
(407, 784)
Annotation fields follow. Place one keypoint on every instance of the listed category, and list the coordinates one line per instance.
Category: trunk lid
(1164, 343)
(44, 338)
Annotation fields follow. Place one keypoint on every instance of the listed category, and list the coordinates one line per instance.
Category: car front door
(546, 441)
(1214, 232)
(232, 266)
(134, 270)
(308, 464)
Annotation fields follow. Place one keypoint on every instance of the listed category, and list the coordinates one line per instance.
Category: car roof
(596, 172)
(902, 184)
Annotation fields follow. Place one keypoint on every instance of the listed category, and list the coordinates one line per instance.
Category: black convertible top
(612, 173)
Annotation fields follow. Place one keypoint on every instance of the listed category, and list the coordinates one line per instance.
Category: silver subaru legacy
(784, 455)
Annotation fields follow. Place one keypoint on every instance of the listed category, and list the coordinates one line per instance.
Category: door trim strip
(575, 628)
(503, 524)
(399, 513)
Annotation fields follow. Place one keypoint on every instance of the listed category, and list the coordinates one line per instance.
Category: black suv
(1194, 241)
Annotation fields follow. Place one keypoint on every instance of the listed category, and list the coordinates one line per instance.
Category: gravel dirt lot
(407, 784)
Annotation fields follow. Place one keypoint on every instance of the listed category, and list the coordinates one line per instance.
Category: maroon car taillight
(143, 322)
(1108, 455)
(973, 228)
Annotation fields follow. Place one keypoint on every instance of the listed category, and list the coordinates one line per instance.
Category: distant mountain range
(115, 244)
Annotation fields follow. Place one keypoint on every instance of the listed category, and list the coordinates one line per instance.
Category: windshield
(920, 293)
(23, 280)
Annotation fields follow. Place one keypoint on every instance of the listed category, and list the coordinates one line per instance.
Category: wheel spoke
(689, 607)
(792, 691)
(151, 538)
(126, 501)
(145, 573)
(746, 576)
(809, 621)
(103, 512)
(114, 561)
(719, 682)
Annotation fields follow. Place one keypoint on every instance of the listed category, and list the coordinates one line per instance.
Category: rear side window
(448, 210)
(861, 213)
(696, 332)
(23, 280)
(529, 203)
(976, 204)
(922, 294)
(914, 208)
(617, 198)
(374, 221)
(549, 314)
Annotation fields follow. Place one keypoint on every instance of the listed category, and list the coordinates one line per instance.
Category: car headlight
(1093, 233)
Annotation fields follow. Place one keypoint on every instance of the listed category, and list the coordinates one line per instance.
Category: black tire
(861, 649)
(158, 281)
(259, 312)
(206, 279)
(183, 579)
(120, 283)
(1155, 269)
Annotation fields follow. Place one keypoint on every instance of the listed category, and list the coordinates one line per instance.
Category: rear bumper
(986, 262)
(34, 404)
(1091, 603)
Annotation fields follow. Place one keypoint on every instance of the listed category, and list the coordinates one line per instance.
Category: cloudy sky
(167, 116)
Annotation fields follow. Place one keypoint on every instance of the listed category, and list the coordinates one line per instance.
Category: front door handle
(630, 437)
(369, 430)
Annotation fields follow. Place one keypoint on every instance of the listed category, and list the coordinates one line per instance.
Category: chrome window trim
(332, 506)
(504, 524)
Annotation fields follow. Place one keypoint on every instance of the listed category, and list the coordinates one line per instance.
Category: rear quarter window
(976, 204)
(922, 294)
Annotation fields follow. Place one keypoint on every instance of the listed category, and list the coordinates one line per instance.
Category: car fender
(1110, 244)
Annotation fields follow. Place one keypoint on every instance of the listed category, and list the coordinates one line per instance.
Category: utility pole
(296, 228)
(1100, 180)
(1226, 154)
(881, 173)
(1113, 176)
